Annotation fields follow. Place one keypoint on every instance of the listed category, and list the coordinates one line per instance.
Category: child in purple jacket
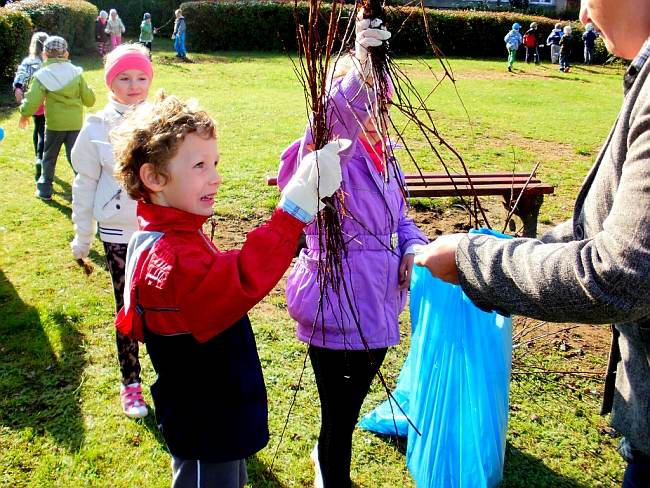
(377, 266)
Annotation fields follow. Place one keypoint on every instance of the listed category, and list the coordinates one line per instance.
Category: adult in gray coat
(595, 267)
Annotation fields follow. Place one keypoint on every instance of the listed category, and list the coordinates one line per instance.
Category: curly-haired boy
(188, 301)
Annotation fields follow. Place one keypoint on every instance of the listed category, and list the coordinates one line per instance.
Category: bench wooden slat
(498, 180)
(507, 185)
(444, 176)
(439, 178)
(481, 190)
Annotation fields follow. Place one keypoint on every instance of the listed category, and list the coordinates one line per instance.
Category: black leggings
(343, 379)
(127, 348)
(39, 135)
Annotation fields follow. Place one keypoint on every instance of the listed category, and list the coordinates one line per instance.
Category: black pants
(343, 379)
(127, 348)
(532, 54)
(39, 135)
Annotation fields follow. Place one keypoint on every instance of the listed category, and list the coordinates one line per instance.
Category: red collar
(157, 218)
(376, 153)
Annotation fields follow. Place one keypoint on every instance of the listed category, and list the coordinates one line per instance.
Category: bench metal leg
(528, 211)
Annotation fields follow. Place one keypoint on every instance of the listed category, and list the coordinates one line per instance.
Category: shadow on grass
(65, 189)
(149, 422)
(40, 390)
(260, 476)
(522, 470)
(585, 68)
(65, 193)
(98, 259)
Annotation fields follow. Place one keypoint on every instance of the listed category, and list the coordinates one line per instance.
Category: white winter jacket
(114, 27)
(97, 197)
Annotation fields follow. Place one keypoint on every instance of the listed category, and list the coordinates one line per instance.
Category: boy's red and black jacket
(186, 285)
(188, 302)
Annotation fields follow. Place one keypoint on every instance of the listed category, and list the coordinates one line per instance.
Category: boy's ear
(154, 181)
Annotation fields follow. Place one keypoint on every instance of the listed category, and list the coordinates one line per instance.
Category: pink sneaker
(132, 401)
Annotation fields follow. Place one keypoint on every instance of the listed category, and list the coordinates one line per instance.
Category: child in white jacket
(97, 198)
(114, 28)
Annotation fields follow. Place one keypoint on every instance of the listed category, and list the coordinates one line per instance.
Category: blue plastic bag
(461, 366)
(389, 418)
(454, 388)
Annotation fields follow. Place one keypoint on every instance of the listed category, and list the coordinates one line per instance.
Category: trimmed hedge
(74, 20)
(271, 27)
(15, 32)
(131, 12)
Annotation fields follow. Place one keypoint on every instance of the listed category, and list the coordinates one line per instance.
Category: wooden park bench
(507, 185)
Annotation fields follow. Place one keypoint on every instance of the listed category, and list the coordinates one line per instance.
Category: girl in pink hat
(99, 202)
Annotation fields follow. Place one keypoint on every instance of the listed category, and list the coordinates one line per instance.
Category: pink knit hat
(128, 60)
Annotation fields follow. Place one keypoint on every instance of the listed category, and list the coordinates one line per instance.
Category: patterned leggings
(127, 348)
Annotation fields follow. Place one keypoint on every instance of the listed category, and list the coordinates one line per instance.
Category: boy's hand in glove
(317, 177)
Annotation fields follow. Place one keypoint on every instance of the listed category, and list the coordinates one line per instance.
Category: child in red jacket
(188, 301)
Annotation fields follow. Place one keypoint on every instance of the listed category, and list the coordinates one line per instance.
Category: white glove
(368, 34)
(79, 250)
(317, 177)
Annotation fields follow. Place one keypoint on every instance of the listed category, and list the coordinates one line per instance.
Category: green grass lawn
(60, 421)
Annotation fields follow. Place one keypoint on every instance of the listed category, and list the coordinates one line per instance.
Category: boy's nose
(215, 177)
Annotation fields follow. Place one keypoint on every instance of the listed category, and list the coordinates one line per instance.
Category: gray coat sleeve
(560, 233)
(600, 279)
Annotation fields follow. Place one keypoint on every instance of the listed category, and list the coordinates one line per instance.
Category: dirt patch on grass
(544, 151)
(230, 233)
(527, 71)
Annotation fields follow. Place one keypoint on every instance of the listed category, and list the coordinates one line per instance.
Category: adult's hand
(439, 257)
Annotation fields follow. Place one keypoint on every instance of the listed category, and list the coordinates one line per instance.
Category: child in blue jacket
(513, 40)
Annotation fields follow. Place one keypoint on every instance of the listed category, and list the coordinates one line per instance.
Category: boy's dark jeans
(564, 61)
(532, 54)
(54, 139)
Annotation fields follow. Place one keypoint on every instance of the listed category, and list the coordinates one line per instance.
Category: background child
(565, 48)
(189, 301)
(179, 35)
(513, 40)
(63, 88)
(100, 32)
(553, 40)
(377, 265)
(589, 40)
(28, 66)
(97, 198)
(531, 43)
(115, 28)
(146, 32)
